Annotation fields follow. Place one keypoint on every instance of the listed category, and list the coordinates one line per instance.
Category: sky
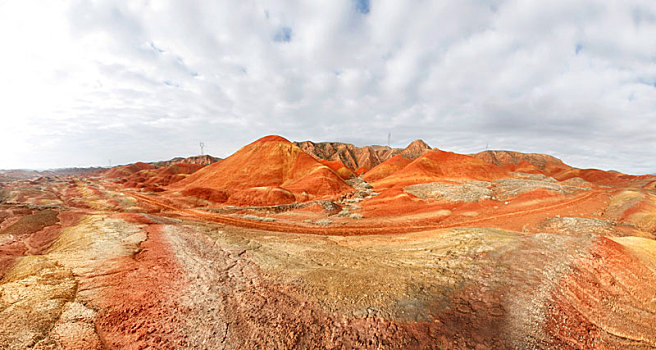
(93, 83)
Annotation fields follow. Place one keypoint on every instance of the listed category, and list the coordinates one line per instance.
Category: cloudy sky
(86, 82)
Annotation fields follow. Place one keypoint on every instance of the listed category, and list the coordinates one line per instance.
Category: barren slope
(271, 168)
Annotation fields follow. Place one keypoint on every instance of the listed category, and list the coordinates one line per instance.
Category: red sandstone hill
(360, 158)
(337, 166)
(360, 171)
(386, 168)
(415, 149)
(269, 171)
(552, 166)
(154, 179)
(158, 173)
(523, 162)
(127, 170)
(439, 165)
(599, 177)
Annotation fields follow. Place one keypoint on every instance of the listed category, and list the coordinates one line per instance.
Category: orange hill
(177, 164)
(552, 166)
(523, 167)
(415, 149)
(339, 167)
(152, 179)
(599, 177)
(523, 162)
(439, 165)
(361, 170)
(127, 170)
(387, 168)
(268, 171)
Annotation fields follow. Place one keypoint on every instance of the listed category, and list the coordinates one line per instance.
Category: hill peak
(415, 149)
(418, 143)
(272, 138)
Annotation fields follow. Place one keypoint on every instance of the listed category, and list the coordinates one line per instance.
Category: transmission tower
(202, 146)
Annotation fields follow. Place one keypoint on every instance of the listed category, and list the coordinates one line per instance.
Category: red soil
(127, 170)
(596, 176)
(554, 167)
(514, 216)
(438, 165)
(360, 171)
(338, 167)
(517, 160)
(601, 296)
(261, 196)
(209, 194)
(152, 179)
(522, 167)
(29, 224)
(396, 202)
(387, 168)
(33, 234)
(269, 162)
(528, 210)
(272, 138)
(318, 208)
(650, 185)
(8, 254)
(321, 182)
(642, 206)
(140, 308)
(172, 173)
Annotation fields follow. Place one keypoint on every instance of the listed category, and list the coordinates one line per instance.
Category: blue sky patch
(284, 34)
(362, 6)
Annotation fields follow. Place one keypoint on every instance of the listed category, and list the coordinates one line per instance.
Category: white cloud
(84, 82)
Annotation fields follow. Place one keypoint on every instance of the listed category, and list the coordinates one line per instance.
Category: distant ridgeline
(200, 160)
(26, 174)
